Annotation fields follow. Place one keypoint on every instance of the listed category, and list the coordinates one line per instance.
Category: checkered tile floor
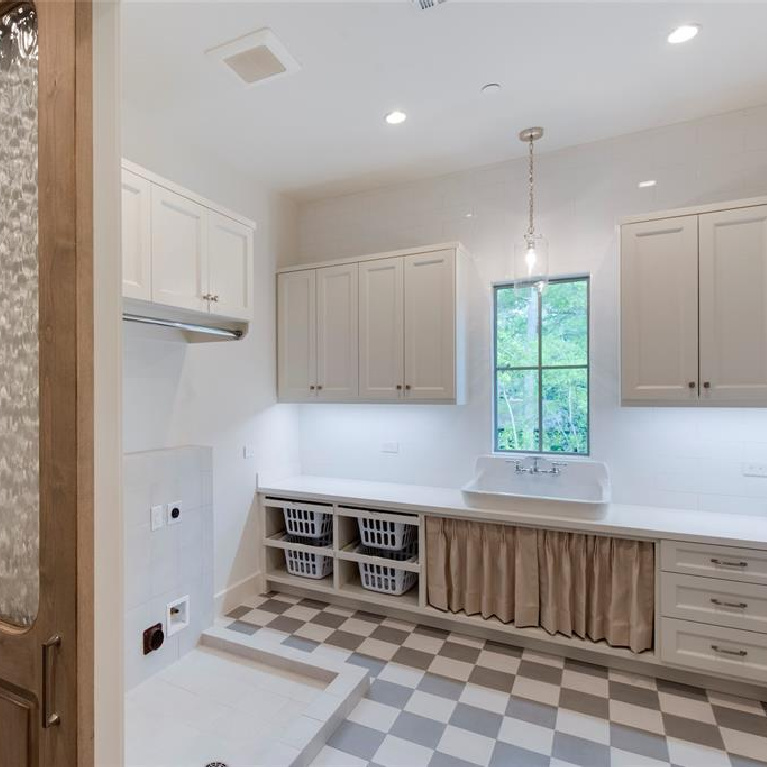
(442, 699)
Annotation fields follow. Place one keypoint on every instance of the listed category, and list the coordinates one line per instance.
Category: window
(542, 367)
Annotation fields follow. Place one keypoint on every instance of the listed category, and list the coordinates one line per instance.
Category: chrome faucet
(556, 466)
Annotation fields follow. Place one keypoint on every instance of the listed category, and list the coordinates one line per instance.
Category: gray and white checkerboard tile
(442, 699)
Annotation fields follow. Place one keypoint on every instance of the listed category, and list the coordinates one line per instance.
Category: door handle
(50, 717)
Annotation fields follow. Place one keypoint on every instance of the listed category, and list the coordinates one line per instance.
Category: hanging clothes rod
(206, 329)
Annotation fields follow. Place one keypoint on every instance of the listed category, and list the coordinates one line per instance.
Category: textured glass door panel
(19, 376)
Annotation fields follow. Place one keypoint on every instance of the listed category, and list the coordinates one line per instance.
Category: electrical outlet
(390, 447)
(248, 451)
(156, 517)
(175, 512)
(755, 469)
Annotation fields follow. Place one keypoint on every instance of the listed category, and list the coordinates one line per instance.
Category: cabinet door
(733, 306)
(659, 311)
(136, 233)
(337, 332)
(430, 325)
(230, 267)
(296, 335)
(382, 336)
(179, 251)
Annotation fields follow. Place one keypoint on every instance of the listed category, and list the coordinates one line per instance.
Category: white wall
(664, 457)
(217, 394)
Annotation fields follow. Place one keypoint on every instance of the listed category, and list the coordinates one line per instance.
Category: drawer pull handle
(723, 651)
(725, 563)
(738, 605)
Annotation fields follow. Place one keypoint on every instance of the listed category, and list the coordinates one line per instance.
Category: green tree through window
(542, 367)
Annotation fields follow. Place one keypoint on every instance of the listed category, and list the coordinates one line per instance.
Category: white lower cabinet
(713, 609)
(714, 601)
(714, 649)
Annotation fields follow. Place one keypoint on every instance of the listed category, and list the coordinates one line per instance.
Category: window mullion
(540, 371)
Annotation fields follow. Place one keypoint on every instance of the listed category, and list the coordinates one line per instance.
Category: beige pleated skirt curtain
(595, 587)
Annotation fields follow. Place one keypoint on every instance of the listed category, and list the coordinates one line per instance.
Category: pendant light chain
(531, 228)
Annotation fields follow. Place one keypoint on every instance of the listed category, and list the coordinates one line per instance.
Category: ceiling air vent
(255, 57)
(425, 5)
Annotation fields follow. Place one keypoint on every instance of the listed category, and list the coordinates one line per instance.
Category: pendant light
(531, 254)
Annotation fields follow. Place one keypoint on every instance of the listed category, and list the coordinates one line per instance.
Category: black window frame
(540, 367)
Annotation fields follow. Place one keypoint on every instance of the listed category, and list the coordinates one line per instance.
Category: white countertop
(635, 521)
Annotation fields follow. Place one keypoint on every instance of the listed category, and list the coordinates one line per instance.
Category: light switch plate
(248, 451)
(390, 447)
(755, 470)
(156, 517)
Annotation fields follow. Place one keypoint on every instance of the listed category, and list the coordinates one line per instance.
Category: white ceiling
(585, 71)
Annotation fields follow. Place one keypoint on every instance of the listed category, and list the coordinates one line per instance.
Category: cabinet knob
(206, 297)
(318, 388)
(399, 387)
(407, 387)
(707, 384)
(214, 298)
(691, 384)
(311, 388)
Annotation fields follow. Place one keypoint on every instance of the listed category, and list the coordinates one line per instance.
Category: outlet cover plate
(175, 512)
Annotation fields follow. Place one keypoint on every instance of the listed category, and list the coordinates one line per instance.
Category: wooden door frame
(65, 248)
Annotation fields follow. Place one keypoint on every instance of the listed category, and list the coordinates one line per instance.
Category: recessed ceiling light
(648, 183)
(396, 117)
(683, 33)
(491, 89)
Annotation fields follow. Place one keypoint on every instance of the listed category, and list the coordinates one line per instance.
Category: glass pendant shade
(531, 260)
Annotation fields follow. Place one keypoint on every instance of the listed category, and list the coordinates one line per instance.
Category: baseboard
(233, 596)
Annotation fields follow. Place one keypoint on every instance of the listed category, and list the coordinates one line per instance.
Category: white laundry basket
(384, 578)
(381, 534)
(307, 522)
(307, 564)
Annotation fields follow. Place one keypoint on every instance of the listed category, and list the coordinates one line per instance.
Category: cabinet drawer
(714, 649)
(713, 600)
(726, 562)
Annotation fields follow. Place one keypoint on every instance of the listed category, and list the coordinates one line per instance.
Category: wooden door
(733, 306)
(337, 332)
(381, 329)
(46, 462)
(179, 251)
(659, 311)
(297, 336)
(136, 235)
(430, 322)
(230, 267)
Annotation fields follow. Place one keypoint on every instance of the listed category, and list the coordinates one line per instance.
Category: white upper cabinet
(430, 325)
(230, 267)
(297, 335)
(378, 329)
(337, 332)
(136, 233)
(179, 251)
(733, 306)
(382, 329)
(694, 307)
(659, 317)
